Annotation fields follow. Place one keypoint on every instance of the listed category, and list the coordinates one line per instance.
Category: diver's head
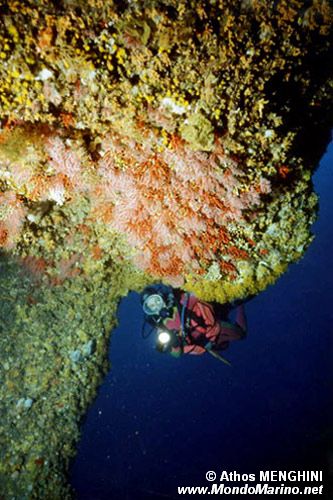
(153, 304)
(157, 301)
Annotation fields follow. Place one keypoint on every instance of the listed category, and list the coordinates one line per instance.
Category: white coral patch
(213, 273)
(57, 194)
(173, 106)
(44, 75)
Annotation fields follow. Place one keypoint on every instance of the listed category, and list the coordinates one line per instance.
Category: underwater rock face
(176, 127)
(141, 141)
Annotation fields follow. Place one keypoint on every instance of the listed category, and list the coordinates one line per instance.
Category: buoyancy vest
(198, 327)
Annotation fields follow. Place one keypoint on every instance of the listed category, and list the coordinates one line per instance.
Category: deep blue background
(160, 422)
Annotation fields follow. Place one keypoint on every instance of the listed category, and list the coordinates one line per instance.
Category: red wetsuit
(204, 326)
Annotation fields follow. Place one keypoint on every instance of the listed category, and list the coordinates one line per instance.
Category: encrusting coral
(142, 141)
(178, 121)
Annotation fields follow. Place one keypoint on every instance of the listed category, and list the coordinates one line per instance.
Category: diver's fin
(219, 357)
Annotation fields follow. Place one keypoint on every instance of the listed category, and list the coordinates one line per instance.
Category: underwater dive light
(163, 337)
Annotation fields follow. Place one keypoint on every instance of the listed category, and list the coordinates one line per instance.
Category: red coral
(283, 171)
(35, 266)
(12, 218)
(3, 235)
(173, 206)
(67, 119)
(238, 253)
(96, 252)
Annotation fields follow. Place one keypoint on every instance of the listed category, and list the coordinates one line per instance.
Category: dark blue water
(160, 422)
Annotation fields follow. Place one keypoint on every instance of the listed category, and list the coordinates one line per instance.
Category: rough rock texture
(141, 141)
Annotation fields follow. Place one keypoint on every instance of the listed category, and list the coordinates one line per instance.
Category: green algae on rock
(45, 389)
(141, 141)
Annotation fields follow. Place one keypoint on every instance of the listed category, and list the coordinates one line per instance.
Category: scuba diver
(186, 325)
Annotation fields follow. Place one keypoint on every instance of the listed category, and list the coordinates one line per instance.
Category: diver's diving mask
(153, 304)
